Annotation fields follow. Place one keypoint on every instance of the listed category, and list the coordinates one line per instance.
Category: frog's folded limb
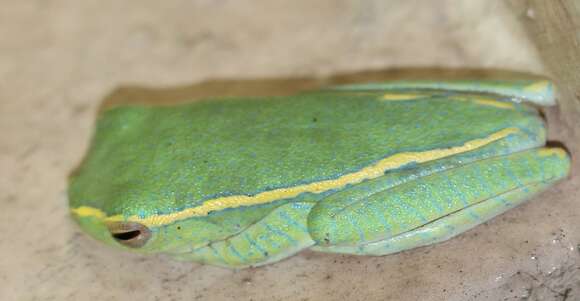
(280, 234)
(538, 91)
(439, 207)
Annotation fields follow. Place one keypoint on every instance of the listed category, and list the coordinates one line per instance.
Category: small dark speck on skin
(314, 119)
(178, 227)
(328, 277)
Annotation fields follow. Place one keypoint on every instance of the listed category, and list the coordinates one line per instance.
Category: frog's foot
(280, 234)
(436, 207)
(537, 91)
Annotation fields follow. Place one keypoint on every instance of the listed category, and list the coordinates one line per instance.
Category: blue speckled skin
(160, 167)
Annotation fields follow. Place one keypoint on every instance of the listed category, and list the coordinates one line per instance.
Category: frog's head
(146, 188)
(145, 218)
(176, 232)
(148, 234)
(114, 231)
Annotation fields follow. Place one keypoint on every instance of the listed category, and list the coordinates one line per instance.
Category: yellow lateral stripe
(494, 103)
(540, 86)
(545, 152)
(401, 96)
(486, 101)
(265, 197)
(84, 211)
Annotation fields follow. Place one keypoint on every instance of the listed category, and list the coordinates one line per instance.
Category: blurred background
(60, 59)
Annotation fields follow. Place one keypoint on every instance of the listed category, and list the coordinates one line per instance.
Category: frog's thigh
(443, 228)
(280, 234)
(435, 207)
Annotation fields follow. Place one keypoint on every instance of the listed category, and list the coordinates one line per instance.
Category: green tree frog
(365, 169)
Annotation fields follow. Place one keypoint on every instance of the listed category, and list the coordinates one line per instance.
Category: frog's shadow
(229, 87)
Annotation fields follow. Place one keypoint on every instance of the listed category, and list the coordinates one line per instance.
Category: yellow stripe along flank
(369, 172)
(486, 101)
(540, 86)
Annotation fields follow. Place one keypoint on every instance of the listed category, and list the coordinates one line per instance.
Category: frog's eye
(129, 234)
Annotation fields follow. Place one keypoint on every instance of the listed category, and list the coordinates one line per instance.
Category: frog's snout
(129, 234)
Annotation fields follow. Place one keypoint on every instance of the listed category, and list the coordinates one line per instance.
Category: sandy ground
(60, 59)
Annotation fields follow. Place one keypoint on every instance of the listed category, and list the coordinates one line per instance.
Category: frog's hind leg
(538, 91)
(280, 234)
(441, 229)
(437, 207)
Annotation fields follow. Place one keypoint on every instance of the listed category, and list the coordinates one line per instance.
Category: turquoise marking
(409, 208)
(280, 233)
(542, 169)
(255, 244)
(356, 226)
(292, 222)
(217, 254)
(390, 209)
(498, 198)
(434, 201)
(451, 187)
(467, 206)
(272, 243)
(382, 219)
(301, 206)
(236, 253)
(332, 227)
(513, 176)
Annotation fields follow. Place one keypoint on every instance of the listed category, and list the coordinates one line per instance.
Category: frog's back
(206, 150)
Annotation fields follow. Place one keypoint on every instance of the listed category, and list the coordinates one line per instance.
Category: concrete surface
(59, 59)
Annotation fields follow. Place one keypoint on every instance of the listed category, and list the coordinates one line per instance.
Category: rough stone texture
(58, 59)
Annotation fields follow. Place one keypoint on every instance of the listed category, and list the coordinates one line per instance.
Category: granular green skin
(156, 160)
